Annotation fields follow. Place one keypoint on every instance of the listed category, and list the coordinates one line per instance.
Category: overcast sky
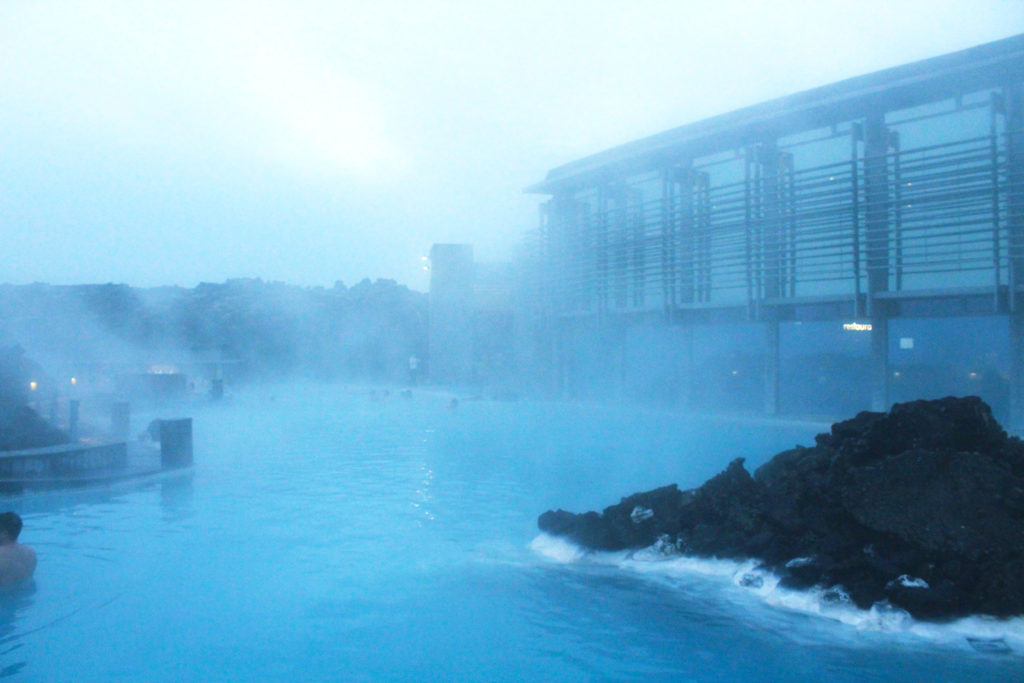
(172, 142)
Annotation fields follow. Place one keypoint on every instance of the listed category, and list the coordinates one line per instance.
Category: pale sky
(155, 143)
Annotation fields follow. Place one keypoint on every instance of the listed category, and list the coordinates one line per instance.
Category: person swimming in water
(17, 561)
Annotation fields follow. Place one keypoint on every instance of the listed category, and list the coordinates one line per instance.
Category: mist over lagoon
(323, 531)
(309, 313)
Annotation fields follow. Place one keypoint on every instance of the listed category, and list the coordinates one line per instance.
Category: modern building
(838, 249)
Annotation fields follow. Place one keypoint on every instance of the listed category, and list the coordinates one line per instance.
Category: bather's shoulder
(17, 563)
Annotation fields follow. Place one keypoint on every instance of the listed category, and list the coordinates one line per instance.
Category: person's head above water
(10, 526)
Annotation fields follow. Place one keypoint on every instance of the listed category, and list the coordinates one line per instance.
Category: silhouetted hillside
(366, 332)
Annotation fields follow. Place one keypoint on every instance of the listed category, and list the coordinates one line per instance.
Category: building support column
(668, 243)
(771, 361)
(620, 342)
(879, 362)
(1016, 417)
(876, 246)
(770, 252)
(686, 258)
(560, 222)
(1014, 100)
(687, 397)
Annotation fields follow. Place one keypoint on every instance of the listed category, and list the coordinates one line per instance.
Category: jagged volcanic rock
(922, 506)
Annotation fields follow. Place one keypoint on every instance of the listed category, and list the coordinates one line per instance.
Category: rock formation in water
(922, 506)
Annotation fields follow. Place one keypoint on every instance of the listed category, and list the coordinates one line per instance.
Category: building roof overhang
(990, 65)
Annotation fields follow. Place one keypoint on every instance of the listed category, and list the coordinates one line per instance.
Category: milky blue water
(324, 536)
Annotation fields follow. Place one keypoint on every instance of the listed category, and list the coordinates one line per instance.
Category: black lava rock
(922, 506)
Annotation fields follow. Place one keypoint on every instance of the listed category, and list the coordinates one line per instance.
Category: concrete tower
(451, 308)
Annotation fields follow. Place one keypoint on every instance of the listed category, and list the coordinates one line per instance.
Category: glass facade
(789, 217)
(893, 202)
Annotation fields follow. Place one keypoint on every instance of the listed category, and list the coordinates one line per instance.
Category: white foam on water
(741, 581)
(557, 549)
